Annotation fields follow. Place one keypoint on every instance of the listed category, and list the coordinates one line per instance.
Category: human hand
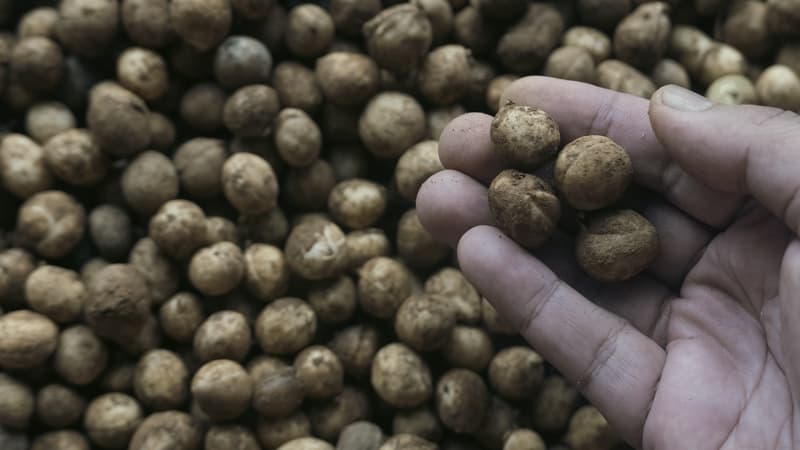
(703, 350)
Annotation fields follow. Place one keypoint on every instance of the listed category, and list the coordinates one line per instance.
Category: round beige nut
(298, 139)
(525, 136)
(266, 272)
(146, 22)
(249, 112)
(249, 183)
(641, 38)
(668, 71)
(223, 335)
(315, 249)
(424, 322)
(52, 223)
(222, 389)
(445, 74)
(56, 292)
(80, 356)
(391, 123)
(516, 373)
(297, 87)
(320, 371)
(593, 172)
(732, 90)
(398, 37)
(201, 23)
(180, 316)
(347, 79)
(26, 339)
(461, 294)
(198, 163)
(241, 61)
(47, 119)
(178, 228)
(616, 246)
(721, 60)
(357, 203)
(571, 63)
(619, 76)
(468, 348)
(23, 166)
(416, 245)
(119, 302)
(58, 406)
(161, 380)
(285, 326)
(118, 119)
(592, 40)
(75, 157)
(415, 166)
(400, 377)
(170, 429)
(588, 429)
(462, 399)
(37, 63)
(217, 269)
(525, 207)
(111, 419)
(333, 301)
(779, 86)
(148, 182)
(144, 72)
(277, 394)
(524, 439)
(383, 284)
(309, 31)
(306, 443)
(16, 402)
(356, 346)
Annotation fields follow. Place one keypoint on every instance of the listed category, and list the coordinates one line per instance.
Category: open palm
(703, 350)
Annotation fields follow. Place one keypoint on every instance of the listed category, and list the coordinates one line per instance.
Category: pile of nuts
(208, 236)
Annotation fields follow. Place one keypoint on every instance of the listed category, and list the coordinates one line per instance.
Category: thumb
(752, 150)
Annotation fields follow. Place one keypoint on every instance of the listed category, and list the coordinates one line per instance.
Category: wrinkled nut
(331, 416)
(315, 249)
(26, 339)
(525, 136)
(160, 380)
(15, 266)
(309, 31)
(285, 326)
(641, 38)
(118, 119)
(119, 302)
(445, 74)
(249, 111)
(159, 272)
(320, 372)
(571, 63)
(383, 284)
(56, 292)
(23, 166)
(616, 246)
(201, 23)
(779, 86)
(80, 355)
(222, 389)
(347, 79)
(180, 316)
(223, 335)
(400, 377)
(52, 223)
(357, 203)
(298, 139)
(178, 228)
(462, 399)
(87, 27)
(618, 76)
(516, 373)
(356, 346)
(525, 207)
(588, 429)
(525, 46)
(461, 294)
(144, 72)
(399, 37)
(391, 123)
(732, 90)
(592, 172)
(217, 269)
(249, 183)
(334, 301)
(170, 429)
(424, 322)
(363, 245)
(468, 348)
(75, 157)
(111, 419)
(590, 39)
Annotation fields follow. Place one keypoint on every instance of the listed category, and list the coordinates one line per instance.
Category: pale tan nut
(75, 157)
(331, 416)
(591, 39)
(178, 228)
(437, 119)
(297, 86)
(349, 16)
(308, 188)
(198, 163)
(524, 439)
(111, 231)
(80, 355)
(119, 302)
(642, 37)
(26, 339)
(298, 139)
(415, 166)
(468, 348)
(616, 245)
(525, 136)
(47, 119)
(588, 429)
(619, 76)
(222, 389)
(223, 335)
(732, 90)
(148, 182)
(146, 22)
(16, 265)
(37, 63)
(407, 442)
(201, 23)
(391, 123)
(356, 346)
(225, 437)
(160, 380)
(361, 435)
(593, 172)
(306, 443)
(398, 37)
(285, 326)
(424, 322)
(52, 223)
(56, 292)
(525, 207)
(41, 21)
(347, 79)
(58, 406)
(320, 371)
(276, 432)
(250, 110)
(525, 46)
(241, 61)
(782, 18)
(171, 429)
(249, 183)
(462, 399)
(180, 316)
(363, 245)
(440, 15)
(400, 377)
(159, 272)
(779, 86)
(309, 31)
(416, 246)
(357, 203)
(461, 294)
(668, 71)
(201, 107)
(445, 74)
(118, 119)
(571, 63)
(383, 284)
(721, 60)
(87, 27)
(421, 422)
(315, 249)
(269, 228)
(266, 271)
(333, 301)
(516, 373)
(23, 166)
(144, 72)
(64, 439)
(16, 402)
(111, 419)
(217, 269)
(689, 46)
(277, 394)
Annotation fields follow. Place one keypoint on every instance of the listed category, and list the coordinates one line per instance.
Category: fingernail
(676, 97)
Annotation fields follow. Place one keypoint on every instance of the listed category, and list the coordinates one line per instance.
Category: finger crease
(670, 178)
(601, 122)
(662, 318)
(538, 301)
(604, 352)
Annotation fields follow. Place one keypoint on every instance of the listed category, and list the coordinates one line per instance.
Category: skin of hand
(702, 351)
